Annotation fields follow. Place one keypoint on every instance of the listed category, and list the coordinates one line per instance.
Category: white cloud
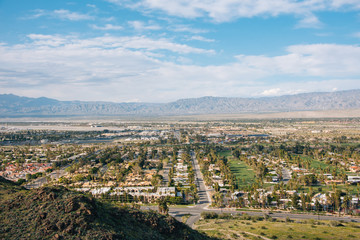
(62, 14)
(141, 26)
(310, 21)
(290, 88)
(185, 28)
(91, 5)
(107, 27)
(107, 41)
(355, 4)
(47, 40)
(271, 92)
(72, 16)
(112, 68)
(228, 10)
(322, 60)
(201, 38)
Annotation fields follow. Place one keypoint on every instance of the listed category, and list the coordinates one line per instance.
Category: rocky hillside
(57, 213)
(12, 106)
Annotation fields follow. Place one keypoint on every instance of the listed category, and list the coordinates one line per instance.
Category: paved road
(286, 175)
(196, 211)
(166, 171)
(203, 193)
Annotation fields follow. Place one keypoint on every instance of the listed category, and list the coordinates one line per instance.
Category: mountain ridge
(12, 105)
(58, 213)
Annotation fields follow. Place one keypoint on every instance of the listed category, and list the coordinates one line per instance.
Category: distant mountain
(12, 106)
(58, 213)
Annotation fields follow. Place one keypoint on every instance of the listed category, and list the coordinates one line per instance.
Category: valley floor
(270, 229)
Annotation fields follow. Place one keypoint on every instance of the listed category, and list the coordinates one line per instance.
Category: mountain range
(16, 106)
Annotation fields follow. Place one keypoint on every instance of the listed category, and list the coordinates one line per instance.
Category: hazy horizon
(293, 94)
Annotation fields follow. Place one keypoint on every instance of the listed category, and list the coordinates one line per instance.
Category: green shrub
(245, 217)
(234, 235)
(209, 215)
(225, 216)
(257, 218)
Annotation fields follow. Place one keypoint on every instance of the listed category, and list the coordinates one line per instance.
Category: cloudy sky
(160, 51)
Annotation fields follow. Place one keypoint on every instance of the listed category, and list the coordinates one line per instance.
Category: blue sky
(160, 51)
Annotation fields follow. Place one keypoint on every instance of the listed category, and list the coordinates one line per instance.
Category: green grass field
(319, 164)
(316, 164)
(310, 229)
(244, 174)
(225, 153)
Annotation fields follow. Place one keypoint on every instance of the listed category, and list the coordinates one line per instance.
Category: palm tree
(346, 203)
(162, 205)
(303, 201)
(218, 199)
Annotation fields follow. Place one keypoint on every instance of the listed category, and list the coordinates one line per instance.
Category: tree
(295, 200)
(236, 153)
(303, 201)
(20, 181)
(317, 205)
(28, 176)
(93, 170)
(162, 205)
(346, 203)
(156, 180)
(216, 187)
(261, 170)
(218, 199)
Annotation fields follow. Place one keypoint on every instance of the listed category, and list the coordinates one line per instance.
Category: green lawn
(244, 174)
(316, 164)
(239, 229)
(225, 153)
(319, 164)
